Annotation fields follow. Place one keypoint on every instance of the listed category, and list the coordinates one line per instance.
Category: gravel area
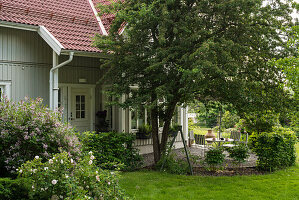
(198, 151)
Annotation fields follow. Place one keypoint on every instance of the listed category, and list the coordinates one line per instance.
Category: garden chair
(200, 142)
(191, 138)
(236, 136)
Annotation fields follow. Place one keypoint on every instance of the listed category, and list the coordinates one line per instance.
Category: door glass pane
(77, 98)
(82, 114)
(77, 114)
(80, 106)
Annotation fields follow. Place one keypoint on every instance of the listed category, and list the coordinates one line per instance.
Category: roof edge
(85, 54)
(41, 30)
(97, 17)
(20, 26)
(50, 39)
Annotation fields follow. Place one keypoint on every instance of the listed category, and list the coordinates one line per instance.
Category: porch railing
(144, 142)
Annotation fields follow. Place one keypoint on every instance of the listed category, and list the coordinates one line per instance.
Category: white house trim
(25, 27)
(91, 88)
(98, 18)
(41, 30)
(50, 39)
(6, 85)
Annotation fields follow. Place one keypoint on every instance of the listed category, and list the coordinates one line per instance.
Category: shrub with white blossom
(29, 128)
(63, 178)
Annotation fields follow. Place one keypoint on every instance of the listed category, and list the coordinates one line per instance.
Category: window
(1, 92)
(80, 106)
(4, 89)
(138, 117)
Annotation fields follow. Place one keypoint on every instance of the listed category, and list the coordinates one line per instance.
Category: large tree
(178, 50)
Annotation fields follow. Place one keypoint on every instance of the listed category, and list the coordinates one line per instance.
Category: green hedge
(14, 189)
(275, 150)
(112, 150)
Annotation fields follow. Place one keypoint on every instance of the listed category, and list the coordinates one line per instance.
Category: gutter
(51, 83)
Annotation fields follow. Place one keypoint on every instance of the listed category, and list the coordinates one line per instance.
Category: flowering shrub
(28, 128)
(63, 178)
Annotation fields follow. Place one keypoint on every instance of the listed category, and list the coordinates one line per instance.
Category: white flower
(61, 161)
(36, 157)
(90, 162)
(91, 157)
(90, 153)
(98, 178)
(54, 182)
(42, 189)
(34, 170)
(66, 176)
(32, 187)
(72, 161)
(46, 168)
(109, 183)
(51, 161)
(20, 171)
(97, 172)
(112, 173)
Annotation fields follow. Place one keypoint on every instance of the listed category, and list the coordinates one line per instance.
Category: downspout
(51, 78)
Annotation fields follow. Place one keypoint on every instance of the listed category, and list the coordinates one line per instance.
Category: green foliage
(173, 165)
(180, 50)
(17, 189)
(144, 131)
(112, 150)
(261, 121)
(214, 157)
(27, 129)
(239, 152)
(275, 150)
(229, 119)
(63, 178)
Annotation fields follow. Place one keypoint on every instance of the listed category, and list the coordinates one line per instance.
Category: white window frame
(137, 120)
(5, 88)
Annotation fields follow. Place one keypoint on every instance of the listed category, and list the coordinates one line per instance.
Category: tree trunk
(168, 115)
(155, 133)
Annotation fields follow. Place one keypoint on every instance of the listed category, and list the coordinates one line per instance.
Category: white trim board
(41, 30)
(7, 88)
(98, 18)
(50, 39)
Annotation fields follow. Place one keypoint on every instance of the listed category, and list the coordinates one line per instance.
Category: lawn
(144, 185)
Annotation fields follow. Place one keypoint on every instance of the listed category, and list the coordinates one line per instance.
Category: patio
(228, 163)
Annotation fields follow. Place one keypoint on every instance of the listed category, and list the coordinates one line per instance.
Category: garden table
(210, 140)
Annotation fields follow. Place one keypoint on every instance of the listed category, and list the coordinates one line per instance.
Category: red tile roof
(107, 18)
(72, 23)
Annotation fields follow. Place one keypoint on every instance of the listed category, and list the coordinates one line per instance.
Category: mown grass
(283, 184)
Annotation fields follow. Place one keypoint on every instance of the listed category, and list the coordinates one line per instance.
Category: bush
(172, 165)
(275, 150)
(261, 121)
(239, 153)
(229, 119)
(17, 189)
(112, 149)
(28, 128)
(62, 178)
(214, 157)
